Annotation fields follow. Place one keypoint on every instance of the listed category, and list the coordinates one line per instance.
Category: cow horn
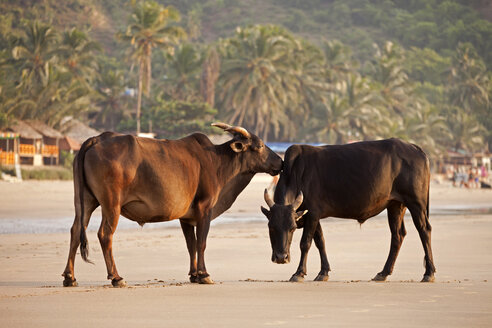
(298, 201)
(234, 130)
(268, 199)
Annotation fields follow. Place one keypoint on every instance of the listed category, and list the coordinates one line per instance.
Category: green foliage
(419, 69)
(182, 71)
(426, 65)
(257, 83)
(66, 159)
(46, 77)
(47, 174)
(175, 119)
(150, 27)
(53, 173)
(3, 120)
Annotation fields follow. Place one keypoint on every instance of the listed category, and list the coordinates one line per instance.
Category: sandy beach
(250, 290)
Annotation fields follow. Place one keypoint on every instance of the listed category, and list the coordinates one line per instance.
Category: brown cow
(149, 180)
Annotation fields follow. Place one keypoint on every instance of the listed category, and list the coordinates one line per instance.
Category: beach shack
(30, 143)
(481, 159)
(76, 132)
(458, 158)
(50, 147)
(69, 145)
(9, 148)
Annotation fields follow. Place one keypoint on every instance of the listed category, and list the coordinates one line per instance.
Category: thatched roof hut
(44, 129)
(24, 130)
(77, 130)
(69, 144)
(30, 143)
(50, 149)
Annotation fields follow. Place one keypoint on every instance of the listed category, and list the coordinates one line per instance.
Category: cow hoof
(118, 283)
(428, 278)
(193, 278)
(70, 282)
(379, 277)
(206, 280)
(296, 278)
(322, 277)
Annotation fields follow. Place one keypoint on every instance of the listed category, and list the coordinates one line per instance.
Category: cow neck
(230, 166)
(232, 176)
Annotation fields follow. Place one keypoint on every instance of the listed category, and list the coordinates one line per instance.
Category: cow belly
(143, 213)
(357, 211)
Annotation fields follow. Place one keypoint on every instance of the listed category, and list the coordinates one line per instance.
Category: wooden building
(69, 145)
(9, 148)
(30, 143)
(50, 147)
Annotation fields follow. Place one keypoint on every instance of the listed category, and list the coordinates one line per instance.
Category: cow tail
(427, 168)
(428, 194)
(80, 176)
(428, 188)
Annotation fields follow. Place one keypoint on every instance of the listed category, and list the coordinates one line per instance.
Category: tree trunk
(139, 97)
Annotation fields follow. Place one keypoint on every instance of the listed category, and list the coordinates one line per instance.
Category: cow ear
(238, 146)
(266, 212)
(300, 214)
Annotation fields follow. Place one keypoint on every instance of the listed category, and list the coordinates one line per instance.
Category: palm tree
(254, 81)
(34, 54)
(352, 112)
(393, 82)
(337, 120)
(466, 132)
(57, 99)
(77, 54)
(210, 75)
(111, 87)
(469, 79)
(368, 118)
(183, 69)
(45, 90)
(427, 128)
(149, 28)
(338, 60)
(308, 82)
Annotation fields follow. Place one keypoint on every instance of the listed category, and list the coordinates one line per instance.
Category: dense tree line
(282, 86)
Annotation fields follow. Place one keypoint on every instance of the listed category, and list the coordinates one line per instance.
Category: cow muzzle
(276, 165)
(280, 258)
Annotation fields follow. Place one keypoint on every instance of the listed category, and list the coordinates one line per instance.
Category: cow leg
(310, 225)
(189, 234)
(319, 241)
(421, 221)
(90, 205)
(202, 228)
(110, 217)
(396, 212)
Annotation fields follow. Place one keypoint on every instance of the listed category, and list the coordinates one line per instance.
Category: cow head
(282, 222)
(256, 156)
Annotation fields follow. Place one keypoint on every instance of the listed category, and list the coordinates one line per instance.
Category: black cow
(354, 181)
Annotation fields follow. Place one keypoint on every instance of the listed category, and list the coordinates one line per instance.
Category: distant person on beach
(484, 178)
(471, 178)
(455, 177)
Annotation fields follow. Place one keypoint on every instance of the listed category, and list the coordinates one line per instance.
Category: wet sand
(250, 290)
